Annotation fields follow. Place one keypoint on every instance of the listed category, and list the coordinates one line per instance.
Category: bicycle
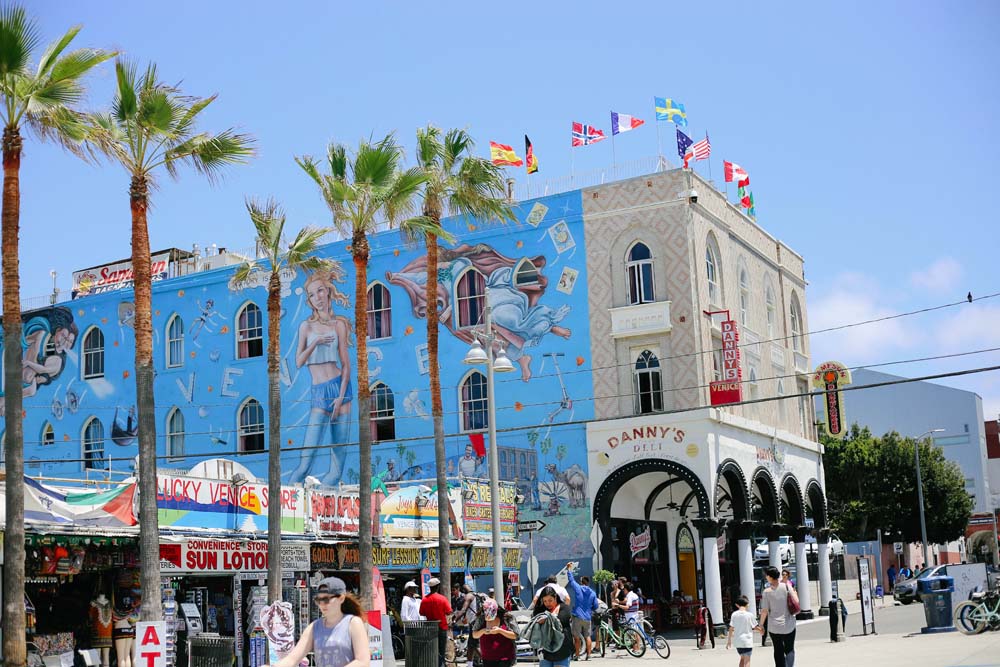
(628, 638)
(703, 627)
(973, 615)
(656, 641)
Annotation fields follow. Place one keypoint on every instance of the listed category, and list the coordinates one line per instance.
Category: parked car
(785, 549)
(905, 590)
(836, 546)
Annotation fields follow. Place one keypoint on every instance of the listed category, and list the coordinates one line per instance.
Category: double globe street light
(477, 356)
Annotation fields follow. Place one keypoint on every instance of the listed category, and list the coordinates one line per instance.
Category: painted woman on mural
(322, 348)
(48, 336)
(518, 317)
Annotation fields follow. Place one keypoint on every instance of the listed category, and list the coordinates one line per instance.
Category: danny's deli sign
(117, 276)
(730, 388)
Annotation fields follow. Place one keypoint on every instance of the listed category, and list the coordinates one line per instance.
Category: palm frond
(77, 63)
(269, 222)
(415, 230)
(457, 145)
(209, 154)
(156, 111)
(398, 199)
(105, 136)
(429, 147)
(48, 94)
(336, 157)
(375, 164)
(185, 121)
(244, 270)
(309, 165)
(19, 37)
(65, 127)
(304, 245)
(53, 50)
(126, 102)
(480, 192)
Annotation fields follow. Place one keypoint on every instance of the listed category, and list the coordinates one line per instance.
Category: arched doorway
(763, 497)
(640, 510)
(732, 505)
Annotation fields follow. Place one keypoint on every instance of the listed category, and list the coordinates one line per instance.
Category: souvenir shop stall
(82, 593)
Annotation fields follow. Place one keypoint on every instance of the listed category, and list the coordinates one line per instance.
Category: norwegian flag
(584, 135)
(700, 150)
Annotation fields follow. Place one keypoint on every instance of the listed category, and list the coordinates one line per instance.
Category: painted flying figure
(204, 320)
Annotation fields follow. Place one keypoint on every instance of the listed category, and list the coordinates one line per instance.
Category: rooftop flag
(699, 150)
(683, 143)
(502, 154)
(622, 122)
(530, 161)
(668, 109)
(734, 172)
(584, 135)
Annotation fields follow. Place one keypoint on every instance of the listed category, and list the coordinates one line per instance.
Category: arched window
(249, 332)
(475, 416)
(175, 342)
(251, 426)
(93, 354)
(796, 315)
(383, 413)
(526, 273)
(639, 268)
(48, 434)
(754, 388)
(771, 310)
(781, 401)
(175, 434)
(379, 312)
(716, 359)
(744, 296)
(647, 383)
(93, 445)
(471, 298)
(713, 272)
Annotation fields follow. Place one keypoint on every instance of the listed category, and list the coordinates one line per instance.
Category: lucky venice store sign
(211, 503)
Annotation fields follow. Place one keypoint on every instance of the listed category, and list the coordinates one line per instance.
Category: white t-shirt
(632, 605)
(560, 591)
(411, 609)
(742, 623)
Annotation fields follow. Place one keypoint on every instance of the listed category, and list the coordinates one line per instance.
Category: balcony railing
(801, 363)
(640, 319)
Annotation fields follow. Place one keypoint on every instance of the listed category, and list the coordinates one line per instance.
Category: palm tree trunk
(273, 438)
(437, 411)
(14, 651)
(149, 528)
(360, 251)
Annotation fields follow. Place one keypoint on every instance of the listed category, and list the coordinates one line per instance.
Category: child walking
(741, 627)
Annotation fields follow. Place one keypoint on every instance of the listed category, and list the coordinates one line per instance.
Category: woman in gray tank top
(339, 637)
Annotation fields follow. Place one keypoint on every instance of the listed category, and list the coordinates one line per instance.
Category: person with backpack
(496, 639)
(778, 606)
(584, 606)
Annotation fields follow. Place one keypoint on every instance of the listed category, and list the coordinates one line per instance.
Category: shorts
(323, 395)
(581, 627)
(123, 633)
(744, 651)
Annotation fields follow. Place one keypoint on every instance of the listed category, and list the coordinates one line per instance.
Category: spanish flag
(503, 155)
(529, 154)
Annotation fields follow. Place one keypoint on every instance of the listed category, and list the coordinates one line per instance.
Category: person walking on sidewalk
(496, 639)
(781, 622)
(741, 628)
(584, 605)
(436, 607)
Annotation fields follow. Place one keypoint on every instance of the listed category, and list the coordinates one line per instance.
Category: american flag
(584, 135)
(700, 150)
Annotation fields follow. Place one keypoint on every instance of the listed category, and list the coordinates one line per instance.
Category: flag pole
(709, 161)
(571, 156)
(614, 159)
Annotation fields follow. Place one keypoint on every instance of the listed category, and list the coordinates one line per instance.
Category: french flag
(622, 122)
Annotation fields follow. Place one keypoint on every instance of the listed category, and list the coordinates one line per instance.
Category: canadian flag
(734, 172)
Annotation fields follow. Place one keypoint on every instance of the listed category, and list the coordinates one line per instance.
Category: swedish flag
(668, 109)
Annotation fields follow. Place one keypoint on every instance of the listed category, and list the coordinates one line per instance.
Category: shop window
(639, 269)
(771, 310)
(647, 384)
(379, 312)
(526, 273)
(175, 434)
(251, 426)
(471, 298)
(175, 342)
(796, 316)
(93, 445)
(249, 332)
(93, 354)
(48, 435)
(383, 413)
(474, 399)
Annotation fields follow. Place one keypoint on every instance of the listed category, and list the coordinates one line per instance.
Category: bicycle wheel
(661, 646)
(634, 642)
(969, 618)
(602, 637)
(709, 626)
(397, 646)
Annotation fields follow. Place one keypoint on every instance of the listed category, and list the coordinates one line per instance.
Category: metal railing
(529, 189)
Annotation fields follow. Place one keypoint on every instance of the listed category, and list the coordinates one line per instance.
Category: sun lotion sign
(152, 644)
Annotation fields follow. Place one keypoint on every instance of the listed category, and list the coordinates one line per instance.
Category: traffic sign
(897, 547)
(532, 526)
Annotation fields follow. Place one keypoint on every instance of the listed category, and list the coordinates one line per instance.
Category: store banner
(152, 640)
(117, 276)
(386, 558)
(458, 559)
(213, 555)
(323, 557)
(412, 513)
(481, 558)
(196, 502)
(477, 512)
(106, 509)
(334, 513)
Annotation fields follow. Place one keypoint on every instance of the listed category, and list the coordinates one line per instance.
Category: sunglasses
(324, 599)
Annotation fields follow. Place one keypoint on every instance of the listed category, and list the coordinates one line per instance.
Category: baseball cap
(409, 584)
(332, 585)
(434, 581)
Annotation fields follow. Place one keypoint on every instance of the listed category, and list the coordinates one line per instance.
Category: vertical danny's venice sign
(730, 388)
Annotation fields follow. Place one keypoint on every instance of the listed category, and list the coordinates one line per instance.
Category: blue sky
(867, 130)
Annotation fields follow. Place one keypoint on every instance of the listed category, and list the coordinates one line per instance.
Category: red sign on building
(730, 388)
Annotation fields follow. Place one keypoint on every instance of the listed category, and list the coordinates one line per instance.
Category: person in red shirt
(436, 607)
(496, 639)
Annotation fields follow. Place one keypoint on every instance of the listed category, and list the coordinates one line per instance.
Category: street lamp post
(501, 364)
(920, 492)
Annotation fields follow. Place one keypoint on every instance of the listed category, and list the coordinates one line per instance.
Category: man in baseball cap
(410, 610)
(436, 607)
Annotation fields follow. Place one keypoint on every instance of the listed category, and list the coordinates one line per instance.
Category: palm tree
(152, 126)
(456, 181)
(269, 222)
(43, 101)
(361, 191)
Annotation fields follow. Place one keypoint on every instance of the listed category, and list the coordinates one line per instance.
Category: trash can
(421, 643)
(209, 651)
(935, 593)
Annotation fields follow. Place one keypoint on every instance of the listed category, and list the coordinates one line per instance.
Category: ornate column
(744, 545)
(802, 573)
(823, 553)
(774, 532)
(709, 531)
(672, 556)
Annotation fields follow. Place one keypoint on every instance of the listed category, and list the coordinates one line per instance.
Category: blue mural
(211, 383)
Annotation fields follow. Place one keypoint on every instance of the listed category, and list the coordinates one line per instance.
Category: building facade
(619, 306)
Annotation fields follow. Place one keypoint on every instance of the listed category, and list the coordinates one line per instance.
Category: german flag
(529, 154)
(503, 155)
